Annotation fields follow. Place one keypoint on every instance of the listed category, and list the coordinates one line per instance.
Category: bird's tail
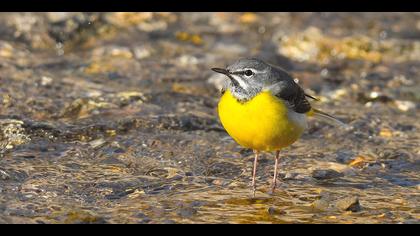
(326, 117)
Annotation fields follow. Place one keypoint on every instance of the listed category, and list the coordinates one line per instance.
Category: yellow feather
(262, 124)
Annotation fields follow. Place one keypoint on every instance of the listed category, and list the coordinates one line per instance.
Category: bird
(264, 109)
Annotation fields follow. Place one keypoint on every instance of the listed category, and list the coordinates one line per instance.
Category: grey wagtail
(264, 109)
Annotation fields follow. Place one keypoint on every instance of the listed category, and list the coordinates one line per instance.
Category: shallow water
(111, 118)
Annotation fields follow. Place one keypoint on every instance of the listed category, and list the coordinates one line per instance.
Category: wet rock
(83, 107)
(223, 170)
(314, 46)
(54, 17)
(349, 204)
(186, 211)
(345, 156)
(97, 143)
(83, 217)
(275, 211)
(370, 99)
(142, 52)
(321, 204)
(386, 133)
(188, 123)
(143, 218)
(167, 221)
(248, 18)
(6, 50)
(74, 27)
(46, 81)
(29, 28)
(411, 221)
(326, 174)
(290, 175)
(187, 37)
(12, 134)
(119, 193)
(126, 19)
(405, 105)
(112, 51)
(4, 175)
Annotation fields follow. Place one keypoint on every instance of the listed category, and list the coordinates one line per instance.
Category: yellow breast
(263, 123)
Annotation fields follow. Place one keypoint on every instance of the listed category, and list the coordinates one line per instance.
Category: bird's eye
(248, 72)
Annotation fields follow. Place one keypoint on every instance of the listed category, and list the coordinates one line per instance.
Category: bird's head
(247, 77)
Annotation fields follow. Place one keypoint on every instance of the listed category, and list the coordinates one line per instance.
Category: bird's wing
(284, 87)
(296, 99)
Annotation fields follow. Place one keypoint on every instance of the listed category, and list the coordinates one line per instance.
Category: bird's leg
(273, 186)
(254, 171)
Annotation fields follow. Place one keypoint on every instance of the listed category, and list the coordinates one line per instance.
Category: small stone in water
(326, 174)
(405, 105)
(359, 161)
(4, 175)
(186, 211)
(320, 204)
(274, 211)
(386, 133)
(349, 204)
(45, 81)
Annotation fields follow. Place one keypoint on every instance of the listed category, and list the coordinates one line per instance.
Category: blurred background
(111, 118)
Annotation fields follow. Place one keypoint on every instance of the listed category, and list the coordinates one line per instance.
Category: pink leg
(254, 172)
(273, 186)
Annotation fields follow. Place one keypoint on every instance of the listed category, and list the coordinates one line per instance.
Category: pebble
(405, 105)
(6, 50)
(54, 17)
(349, 204)
(290, 175)
(113, 51)
(320, 204)
(97, 143)
(359, 161)
(248, 18)
(143, 218)
(187, 211)
(126, 19)
(274, 211)
(45, 81)
(345, 156)
(153, 26)
(326, 174)
(187, 60)
(141, 52)
(4, 175)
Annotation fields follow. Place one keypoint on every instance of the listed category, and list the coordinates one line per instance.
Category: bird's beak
(228, 74)
(220, 70)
